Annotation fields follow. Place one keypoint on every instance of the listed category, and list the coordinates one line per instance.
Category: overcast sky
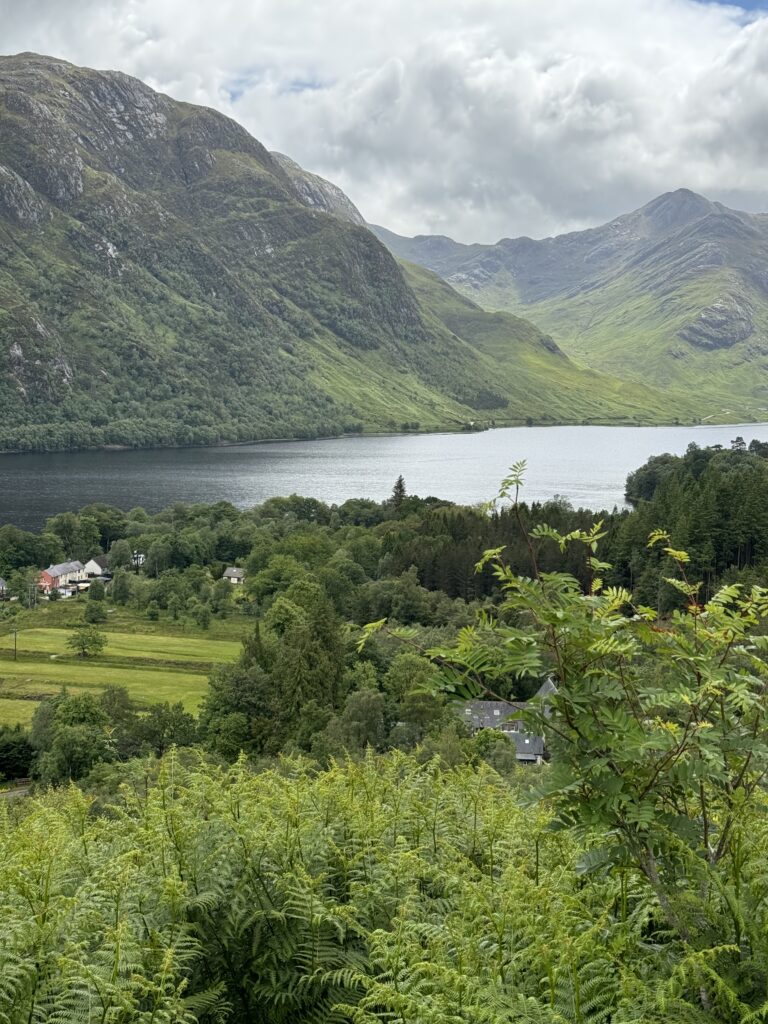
(473, 118)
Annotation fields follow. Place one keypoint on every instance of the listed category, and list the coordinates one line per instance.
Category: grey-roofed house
(234, 575)
(497, 714)
(56, 576)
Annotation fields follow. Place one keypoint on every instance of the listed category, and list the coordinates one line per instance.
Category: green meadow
(152, 666)
(16, 712)
(146, 646)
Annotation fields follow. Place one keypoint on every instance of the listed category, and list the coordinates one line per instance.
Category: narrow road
(17, 791)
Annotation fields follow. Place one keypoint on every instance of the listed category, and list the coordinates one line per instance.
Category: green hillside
(530, 369)
(674, 295)
(165, 280)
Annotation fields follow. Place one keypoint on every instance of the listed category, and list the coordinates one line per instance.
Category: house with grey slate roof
(96, 566)
(55, 577)
(234, 575)
(497, 714)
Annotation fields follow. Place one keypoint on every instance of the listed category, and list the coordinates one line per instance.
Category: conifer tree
(398, 493)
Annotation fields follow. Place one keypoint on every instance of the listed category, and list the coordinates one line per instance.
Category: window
(496, 712)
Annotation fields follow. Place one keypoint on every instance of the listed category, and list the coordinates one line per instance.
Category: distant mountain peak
(680, 195)
(673, 210)
(674, 293)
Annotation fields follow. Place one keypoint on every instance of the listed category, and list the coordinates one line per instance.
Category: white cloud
(475, 118)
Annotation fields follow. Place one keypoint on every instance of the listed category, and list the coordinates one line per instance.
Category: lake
(587, 465)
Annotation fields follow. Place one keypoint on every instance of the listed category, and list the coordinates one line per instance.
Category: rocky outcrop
(18, 200)
(317, 193)
(721, 325)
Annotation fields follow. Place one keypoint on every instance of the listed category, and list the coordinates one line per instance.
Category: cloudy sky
(473, 118)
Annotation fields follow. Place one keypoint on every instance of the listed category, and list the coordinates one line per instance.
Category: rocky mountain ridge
(675, 294)
(164, 279)
(319, 193)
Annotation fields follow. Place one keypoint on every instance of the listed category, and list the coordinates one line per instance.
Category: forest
(325, 841)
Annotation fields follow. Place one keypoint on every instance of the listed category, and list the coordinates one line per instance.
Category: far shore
(447, 429)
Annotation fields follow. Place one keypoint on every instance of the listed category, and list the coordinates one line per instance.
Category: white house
(234, 575)
(96, 566)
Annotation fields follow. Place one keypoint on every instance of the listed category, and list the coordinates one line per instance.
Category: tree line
(316, 574)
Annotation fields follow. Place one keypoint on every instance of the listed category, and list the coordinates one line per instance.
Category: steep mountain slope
(317, 192)
(165, 280)
(674, 294)
(519, 369)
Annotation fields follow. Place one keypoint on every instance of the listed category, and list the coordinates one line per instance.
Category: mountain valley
(674, 295)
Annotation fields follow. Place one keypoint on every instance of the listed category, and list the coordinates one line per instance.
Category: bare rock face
(18, 200)
(60, 120)
(46, 152)
(317, 193)
(721, 325)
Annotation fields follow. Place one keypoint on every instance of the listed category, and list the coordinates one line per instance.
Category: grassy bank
(156, 661)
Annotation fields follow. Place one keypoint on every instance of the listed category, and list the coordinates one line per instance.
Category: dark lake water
(587, 465)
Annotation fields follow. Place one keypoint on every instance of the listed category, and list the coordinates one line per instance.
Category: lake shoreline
(443, 431)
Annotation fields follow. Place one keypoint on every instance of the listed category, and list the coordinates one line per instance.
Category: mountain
(164, 279)
(674, 294)
(318, 193)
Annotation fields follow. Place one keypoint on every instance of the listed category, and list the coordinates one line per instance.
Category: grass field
(154, 661)
(66, 614)
(16, 711)
(146, 686)
(151, 646)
